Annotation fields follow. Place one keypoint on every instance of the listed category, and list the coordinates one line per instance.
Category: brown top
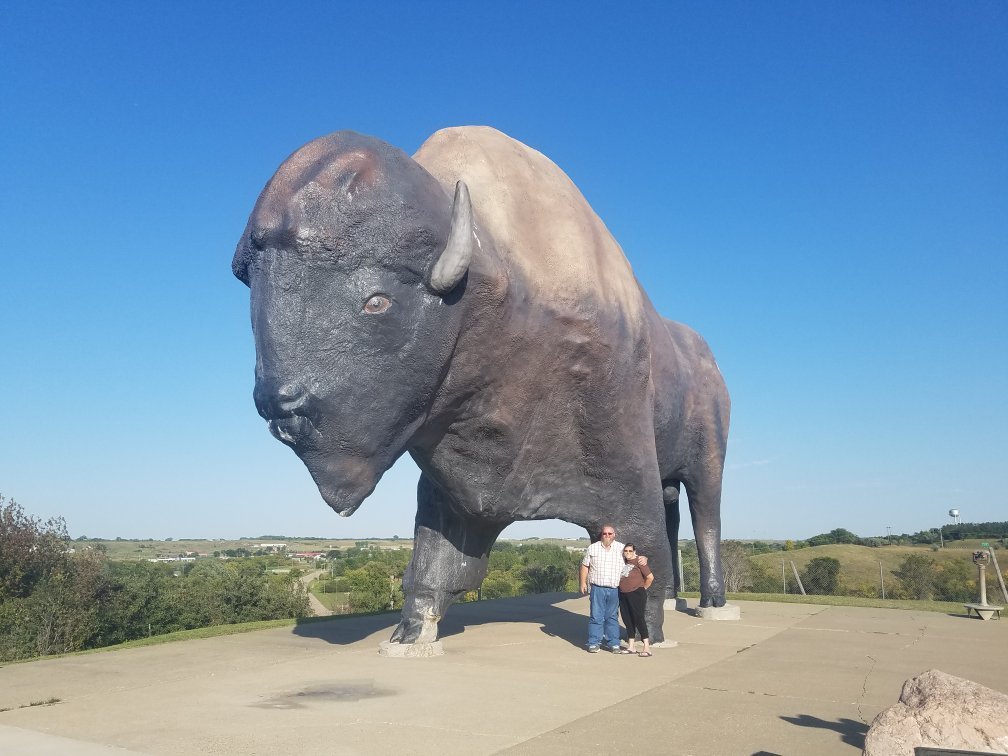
(633, 576)
(540, 222)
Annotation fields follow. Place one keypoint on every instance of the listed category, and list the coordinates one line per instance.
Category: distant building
(273, 547)
(173, 559)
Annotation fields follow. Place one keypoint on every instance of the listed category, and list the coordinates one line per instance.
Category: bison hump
(542, 225)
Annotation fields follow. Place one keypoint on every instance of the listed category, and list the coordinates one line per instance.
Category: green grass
(334, 602)
(860, 564)
(183, 635)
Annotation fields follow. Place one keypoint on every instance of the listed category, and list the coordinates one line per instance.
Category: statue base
(720, 613)
(410, 650)
(676, 604)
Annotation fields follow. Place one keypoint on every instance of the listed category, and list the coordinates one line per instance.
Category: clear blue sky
(819, 188)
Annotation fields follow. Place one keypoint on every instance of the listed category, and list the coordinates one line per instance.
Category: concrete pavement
(786, 679)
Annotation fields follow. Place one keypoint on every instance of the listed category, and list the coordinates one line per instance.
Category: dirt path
(317, 606)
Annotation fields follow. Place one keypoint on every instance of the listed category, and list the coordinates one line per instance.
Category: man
(601, 569)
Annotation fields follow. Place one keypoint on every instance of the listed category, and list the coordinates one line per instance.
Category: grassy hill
(860, 564)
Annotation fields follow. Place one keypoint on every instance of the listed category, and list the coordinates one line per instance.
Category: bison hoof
(417, 630)
(407, 631)
(708, 601)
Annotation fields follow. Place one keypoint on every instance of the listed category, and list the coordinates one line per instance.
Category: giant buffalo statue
(467, 306)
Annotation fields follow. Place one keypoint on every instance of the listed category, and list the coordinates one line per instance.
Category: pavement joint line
(739, 692)
(864, 688)
(918, 637)
(858, 632)
(420, 725)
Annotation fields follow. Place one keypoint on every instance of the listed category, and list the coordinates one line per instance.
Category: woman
(637, 578)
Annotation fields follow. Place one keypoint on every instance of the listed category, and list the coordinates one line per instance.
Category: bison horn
(453, 262)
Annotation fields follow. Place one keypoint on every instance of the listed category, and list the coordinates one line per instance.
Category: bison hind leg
(705, 509)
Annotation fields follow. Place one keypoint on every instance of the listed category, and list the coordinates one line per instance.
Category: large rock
(941, 711)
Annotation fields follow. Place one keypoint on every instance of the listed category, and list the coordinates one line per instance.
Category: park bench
(983, 611)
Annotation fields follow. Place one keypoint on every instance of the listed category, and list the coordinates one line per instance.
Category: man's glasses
(608, 532)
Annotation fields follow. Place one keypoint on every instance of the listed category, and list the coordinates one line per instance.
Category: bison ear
(453, 262)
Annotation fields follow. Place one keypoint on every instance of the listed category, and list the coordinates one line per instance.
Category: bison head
(356, 259)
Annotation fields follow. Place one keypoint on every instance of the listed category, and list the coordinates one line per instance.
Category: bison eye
(377, 304)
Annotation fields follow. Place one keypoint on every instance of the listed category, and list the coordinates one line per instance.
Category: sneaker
(615, 649)
(592, 649)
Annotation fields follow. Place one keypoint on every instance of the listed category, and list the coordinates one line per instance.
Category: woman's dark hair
(629, 546)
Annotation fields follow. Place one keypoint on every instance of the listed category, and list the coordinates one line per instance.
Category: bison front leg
(450, 554)
(656, 547)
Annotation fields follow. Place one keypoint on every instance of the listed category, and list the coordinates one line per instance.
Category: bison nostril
(278, 401)
(291, 397)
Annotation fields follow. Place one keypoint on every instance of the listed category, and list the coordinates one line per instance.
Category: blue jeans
(603, 620)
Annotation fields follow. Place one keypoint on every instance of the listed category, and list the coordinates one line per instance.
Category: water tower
(954, 514)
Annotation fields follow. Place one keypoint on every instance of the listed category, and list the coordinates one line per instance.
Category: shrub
(499, 584)
(821, 576)
(954, 582)
(917, 575)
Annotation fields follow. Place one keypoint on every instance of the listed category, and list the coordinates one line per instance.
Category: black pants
(631, 607)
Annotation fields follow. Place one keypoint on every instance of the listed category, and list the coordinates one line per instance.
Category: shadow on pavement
(345, 629)
(851, 732)
(555, 621)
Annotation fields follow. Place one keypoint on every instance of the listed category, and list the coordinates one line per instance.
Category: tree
(63, 610)
(30, 550)
(821, 576)
(544, 578)
(499, 584)
(60, 614)
(736, 566)
(690, 569)
(373, 588)
(134, 603)
(838, 535)
(503, 557)
(918, 575)
(764, 579)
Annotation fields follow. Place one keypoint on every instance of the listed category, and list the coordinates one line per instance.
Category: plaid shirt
(605, 567)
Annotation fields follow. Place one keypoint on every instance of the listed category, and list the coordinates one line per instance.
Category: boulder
(941, 711)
